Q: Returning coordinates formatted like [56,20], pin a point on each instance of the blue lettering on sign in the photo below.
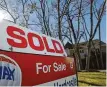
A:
[72,82]
[6,73]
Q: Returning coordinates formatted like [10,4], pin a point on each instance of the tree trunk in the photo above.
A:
[96,55]
[78,57]
[89,56]
[59,21]
[102,66]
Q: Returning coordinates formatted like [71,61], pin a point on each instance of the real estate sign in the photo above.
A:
[31,59]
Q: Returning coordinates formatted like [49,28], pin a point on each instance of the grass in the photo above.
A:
[92,78]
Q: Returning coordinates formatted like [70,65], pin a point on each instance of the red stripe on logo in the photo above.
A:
[6,60]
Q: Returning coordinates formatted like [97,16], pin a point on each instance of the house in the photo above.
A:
[83,49]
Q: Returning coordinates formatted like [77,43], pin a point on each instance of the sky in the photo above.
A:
[103,24]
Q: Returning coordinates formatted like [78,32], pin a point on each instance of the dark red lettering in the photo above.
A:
[46,45]
[55,44]
[31,42]
[10,32]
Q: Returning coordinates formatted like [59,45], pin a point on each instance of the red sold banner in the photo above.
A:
[31,59]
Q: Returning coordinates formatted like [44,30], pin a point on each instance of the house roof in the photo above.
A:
[70,46]
[94,41]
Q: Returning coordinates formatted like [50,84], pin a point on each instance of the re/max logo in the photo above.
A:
[6,73]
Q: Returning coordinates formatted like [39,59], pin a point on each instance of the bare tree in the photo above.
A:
[93,30]
[97,14]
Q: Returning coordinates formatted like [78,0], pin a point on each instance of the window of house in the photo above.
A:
[81,51]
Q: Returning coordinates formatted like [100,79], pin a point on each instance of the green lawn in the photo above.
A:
[92,78]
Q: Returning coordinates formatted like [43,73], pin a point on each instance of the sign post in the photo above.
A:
[31,59]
